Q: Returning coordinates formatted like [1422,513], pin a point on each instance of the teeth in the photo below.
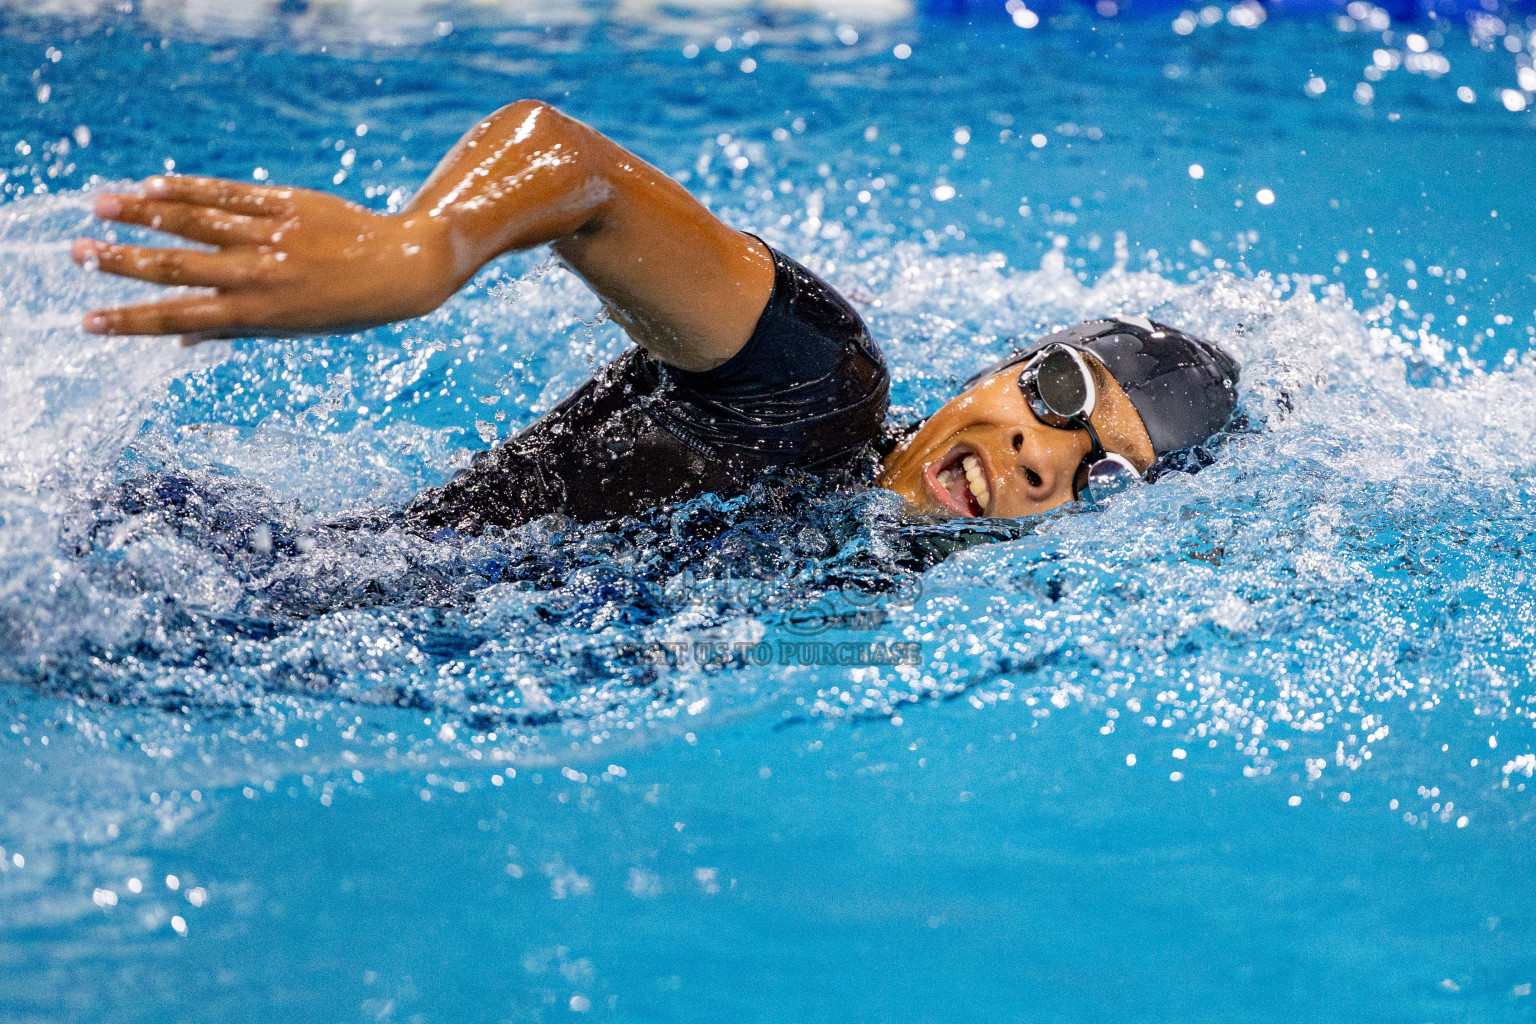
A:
[977,479]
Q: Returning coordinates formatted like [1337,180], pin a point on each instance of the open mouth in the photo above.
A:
[959,482]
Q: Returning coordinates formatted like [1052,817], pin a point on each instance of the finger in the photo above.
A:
[234,269]
[197,223]
[192,315]
[234,196]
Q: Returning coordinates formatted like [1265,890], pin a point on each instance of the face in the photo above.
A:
[985,454]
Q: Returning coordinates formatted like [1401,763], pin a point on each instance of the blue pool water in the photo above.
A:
[1254,744]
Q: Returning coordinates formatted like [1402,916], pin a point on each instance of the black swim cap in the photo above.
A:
[1184,389]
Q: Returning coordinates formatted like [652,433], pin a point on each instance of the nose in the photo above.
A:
[1046,459]
[1032,477]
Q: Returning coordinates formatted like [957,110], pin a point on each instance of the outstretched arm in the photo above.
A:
[292,261]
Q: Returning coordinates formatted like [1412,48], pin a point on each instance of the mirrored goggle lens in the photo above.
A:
[1107,478]
[1060,383]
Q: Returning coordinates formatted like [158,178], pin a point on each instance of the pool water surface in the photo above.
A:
[1254,743]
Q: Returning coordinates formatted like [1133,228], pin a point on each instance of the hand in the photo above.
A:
[287,261]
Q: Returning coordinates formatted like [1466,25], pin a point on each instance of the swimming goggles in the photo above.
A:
[1060,391]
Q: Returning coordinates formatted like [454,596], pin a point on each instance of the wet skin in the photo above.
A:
[292,261]
[685,286]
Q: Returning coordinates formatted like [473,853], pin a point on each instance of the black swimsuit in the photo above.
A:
[808,391]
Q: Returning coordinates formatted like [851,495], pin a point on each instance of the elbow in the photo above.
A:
[521,109]
[533,126]
[585,156]
[532,121]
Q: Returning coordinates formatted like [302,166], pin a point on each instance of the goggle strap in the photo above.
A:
[1098,452]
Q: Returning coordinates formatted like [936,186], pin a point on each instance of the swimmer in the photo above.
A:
[747,363]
